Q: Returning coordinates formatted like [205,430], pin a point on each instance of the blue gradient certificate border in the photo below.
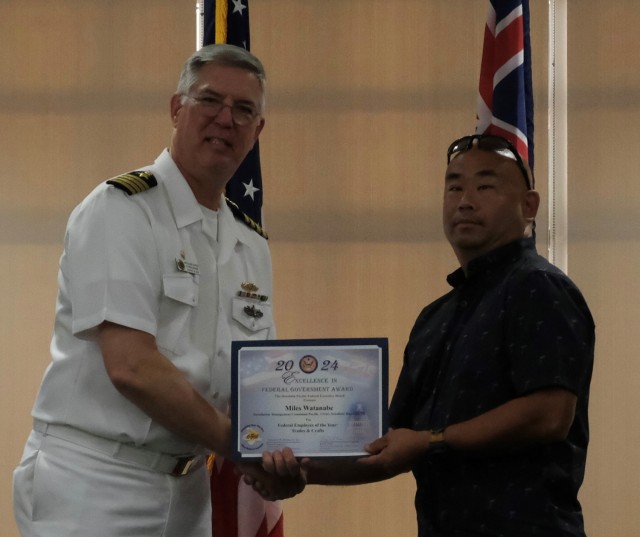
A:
[320,397]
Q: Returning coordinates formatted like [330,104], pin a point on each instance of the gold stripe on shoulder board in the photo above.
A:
[134,182]
[246,218]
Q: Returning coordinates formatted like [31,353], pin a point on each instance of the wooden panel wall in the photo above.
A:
[363,98]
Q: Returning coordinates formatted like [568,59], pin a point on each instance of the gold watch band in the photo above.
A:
[437,443]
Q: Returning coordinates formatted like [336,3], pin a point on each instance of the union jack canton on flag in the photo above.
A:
[505,101]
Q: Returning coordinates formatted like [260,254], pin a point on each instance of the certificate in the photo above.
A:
[321,397]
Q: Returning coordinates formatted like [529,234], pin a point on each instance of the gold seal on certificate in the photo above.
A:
[320,397]
[308,363]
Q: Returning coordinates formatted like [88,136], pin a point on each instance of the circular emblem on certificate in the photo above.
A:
[251,437]
[308,364]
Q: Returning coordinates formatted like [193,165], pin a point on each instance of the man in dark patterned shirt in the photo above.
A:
[490,410]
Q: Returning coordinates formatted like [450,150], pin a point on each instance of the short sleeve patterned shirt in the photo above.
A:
[514,324]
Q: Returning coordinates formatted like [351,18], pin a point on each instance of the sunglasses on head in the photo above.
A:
[495,144]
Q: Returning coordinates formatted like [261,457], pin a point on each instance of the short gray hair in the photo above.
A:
[229,55]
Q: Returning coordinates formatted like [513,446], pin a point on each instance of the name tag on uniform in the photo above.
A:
[185,266]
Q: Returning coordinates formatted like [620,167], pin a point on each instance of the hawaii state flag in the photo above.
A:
[505,101]
[227,21]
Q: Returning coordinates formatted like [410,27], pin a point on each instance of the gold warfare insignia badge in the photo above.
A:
[250,290]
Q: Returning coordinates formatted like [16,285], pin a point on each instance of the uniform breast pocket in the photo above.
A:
[176,306]
[253,319]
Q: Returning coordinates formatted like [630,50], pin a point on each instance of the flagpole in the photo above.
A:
[199,24]
[558,228]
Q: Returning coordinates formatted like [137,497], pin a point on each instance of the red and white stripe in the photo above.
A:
[239,511]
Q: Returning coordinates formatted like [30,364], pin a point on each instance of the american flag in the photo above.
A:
[238,511]
[227,21]
[505,100]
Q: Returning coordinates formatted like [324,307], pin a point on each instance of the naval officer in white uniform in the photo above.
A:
[159,274]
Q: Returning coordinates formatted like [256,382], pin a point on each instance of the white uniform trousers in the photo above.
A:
[62,489]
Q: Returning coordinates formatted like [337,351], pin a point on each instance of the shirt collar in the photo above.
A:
[499,257]
[183,203]
[185,207]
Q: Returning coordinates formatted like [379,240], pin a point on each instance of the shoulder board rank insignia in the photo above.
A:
[246,219]
[134,182]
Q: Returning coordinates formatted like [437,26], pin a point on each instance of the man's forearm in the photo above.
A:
[540,417]
[150,381]
[342,472]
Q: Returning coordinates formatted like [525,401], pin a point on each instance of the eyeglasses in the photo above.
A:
[495,144]
[212,105]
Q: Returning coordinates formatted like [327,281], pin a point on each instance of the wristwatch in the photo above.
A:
[436,441]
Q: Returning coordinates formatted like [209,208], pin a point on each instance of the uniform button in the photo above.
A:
[216,395]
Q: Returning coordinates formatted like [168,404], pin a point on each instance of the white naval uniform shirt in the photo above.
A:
[119,265]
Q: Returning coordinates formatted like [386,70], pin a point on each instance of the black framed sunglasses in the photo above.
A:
[495,144]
